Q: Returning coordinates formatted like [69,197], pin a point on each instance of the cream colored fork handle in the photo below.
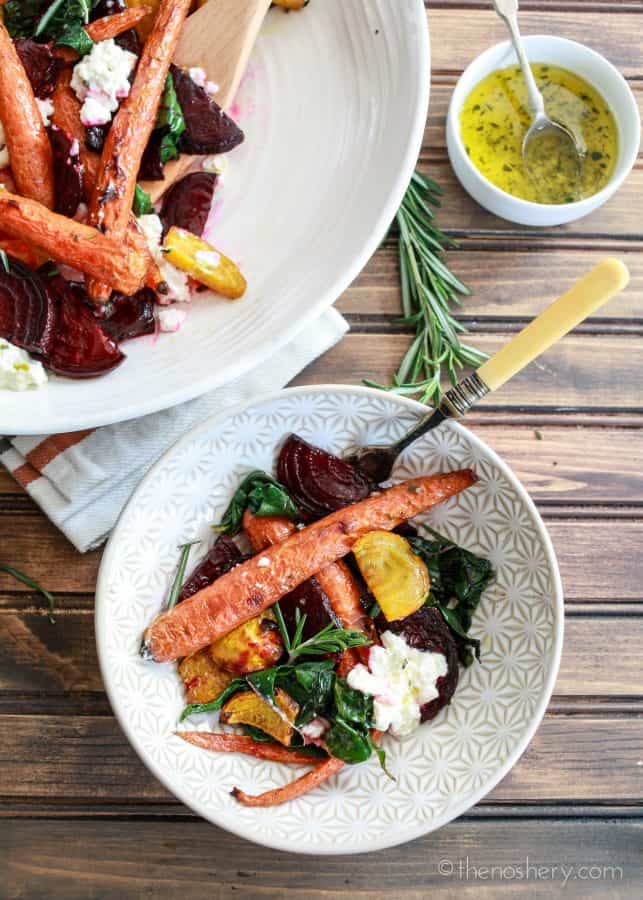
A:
[590,293]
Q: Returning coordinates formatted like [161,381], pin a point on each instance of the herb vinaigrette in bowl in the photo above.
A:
[495,118]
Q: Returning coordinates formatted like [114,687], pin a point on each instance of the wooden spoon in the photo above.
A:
[218,37]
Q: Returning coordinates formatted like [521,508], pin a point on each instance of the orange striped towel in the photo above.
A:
[83,479]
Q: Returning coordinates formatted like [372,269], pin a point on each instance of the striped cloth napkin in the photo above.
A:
[82,480]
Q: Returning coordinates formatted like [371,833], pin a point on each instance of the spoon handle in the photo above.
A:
[508,12]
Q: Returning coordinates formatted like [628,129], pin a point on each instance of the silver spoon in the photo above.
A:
[557,149]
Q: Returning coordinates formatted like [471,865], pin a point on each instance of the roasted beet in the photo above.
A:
[95,136]
[151,168]
[188,202]
[207,127]
[41,66]
[223,555]
[28,313]
[81,348]
[68,171]
[318,481]
[312,602]
[130,317]
[427,630]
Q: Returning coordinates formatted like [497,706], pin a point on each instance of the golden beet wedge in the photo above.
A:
[204,680]
[397,578]
[254,645]
[249,708]
[204,263]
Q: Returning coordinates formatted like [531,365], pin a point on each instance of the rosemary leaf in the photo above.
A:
[29,582]
[429,291]
[173,596]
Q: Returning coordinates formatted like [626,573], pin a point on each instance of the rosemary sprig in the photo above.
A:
[25,579]
[428,290]
[173,596]
[330,639]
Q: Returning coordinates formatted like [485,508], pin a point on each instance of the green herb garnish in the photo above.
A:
[177,584]
[4,259]
[331,639]
[263,496]
[64,23]
[142,205]
[428,290]
[29,582]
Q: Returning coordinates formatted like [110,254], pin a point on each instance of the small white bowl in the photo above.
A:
[584,62]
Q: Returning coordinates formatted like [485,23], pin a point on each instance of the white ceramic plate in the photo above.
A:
[334,107]
[447,765]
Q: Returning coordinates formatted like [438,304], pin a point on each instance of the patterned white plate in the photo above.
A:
[447,765]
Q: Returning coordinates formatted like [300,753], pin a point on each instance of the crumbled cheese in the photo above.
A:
[101,80]
[216,165]
[208,258]
[176,281]
[401,680]
[170,318]
[263,563]
[18,371]
[46,108]
[4,151]
[314,729]
[198,75]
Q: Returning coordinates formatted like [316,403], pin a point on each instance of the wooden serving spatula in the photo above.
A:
[218,37]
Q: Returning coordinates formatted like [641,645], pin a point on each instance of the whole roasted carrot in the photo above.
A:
[294,789]
[111,200]
[27,141]
[249,588]
[123,266]
[108,27]
[66,116]
[238,743]
[336,579]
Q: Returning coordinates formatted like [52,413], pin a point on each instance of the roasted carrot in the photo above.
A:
[123,267]
[238,743]
[249,588]
[23,251]
[66,116]
[294,789]
[336,580]
[30,152]
[106,28]
[113,193]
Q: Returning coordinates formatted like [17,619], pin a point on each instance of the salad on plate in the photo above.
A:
[321,618]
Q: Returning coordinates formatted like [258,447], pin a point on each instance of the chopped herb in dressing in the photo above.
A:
[495,118]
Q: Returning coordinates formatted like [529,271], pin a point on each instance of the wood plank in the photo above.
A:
[77,860]
[599,560]
[461,216]
[514,284]
[566,762]
[458,36]
[41,663]
[581,371]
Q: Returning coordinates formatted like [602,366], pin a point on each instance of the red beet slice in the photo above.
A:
[131,317]
[427,630]
[68,171]
[319,482]
[41,66]
[28,314]
[151,168]
[311,601]
[208,129]
[188,202]
[81,349]
[222,556]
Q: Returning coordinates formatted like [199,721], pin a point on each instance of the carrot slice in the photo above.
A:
[66,116]
[238,743]
[294,789]
[131,128]
[30,152]
[124,266]
[249,588]
[108,27]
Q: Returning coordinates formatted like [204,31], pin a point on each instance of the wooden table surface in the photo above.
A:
[83,818]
